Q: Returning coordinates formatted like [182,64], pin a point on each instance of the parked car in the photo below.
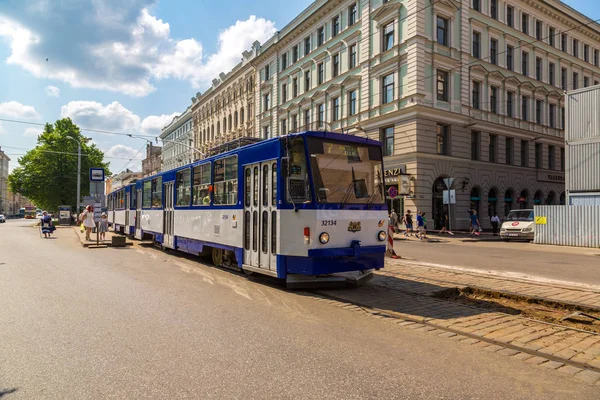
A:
[519,224]
[2,218]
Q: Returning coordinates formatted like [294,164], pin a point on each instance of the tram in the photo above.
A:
[303,207]
[121,209]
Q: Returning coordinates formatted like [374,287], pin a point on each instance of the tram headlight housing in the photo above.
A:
[381,236]
[324,238]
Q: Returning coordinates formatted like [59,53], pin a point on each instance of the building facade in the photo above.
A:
[464,89]
[4,195]
[152,163]
[16,201]
[178,141]
[226,110]
[122,179]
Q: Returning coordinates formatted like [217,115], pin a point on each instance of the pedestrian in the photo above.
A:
[475,225]
[88,221]
[495,223]
[103,226]
[420,225]
[46,224]
[424,234]
[408,223]
[394,218]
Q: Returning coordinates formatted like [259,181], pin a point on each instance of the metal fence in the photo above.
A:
[568,225]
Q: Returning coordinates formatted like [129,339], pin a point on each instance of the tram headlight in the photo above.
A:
[381,236]
[324,238]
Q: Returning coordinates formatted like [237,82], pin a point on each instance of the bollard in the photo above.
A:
[390,243]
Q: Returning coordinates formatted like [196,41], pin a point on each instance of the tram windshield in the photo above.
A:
[346,173]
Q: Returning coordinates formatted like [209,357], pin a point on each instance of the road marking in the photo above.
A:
[502,274]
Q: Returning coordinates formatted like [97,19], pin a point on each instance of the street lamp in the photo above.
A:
[78,169]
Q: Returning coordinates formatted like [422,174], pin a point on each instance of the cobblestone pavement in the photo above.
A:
[403,291]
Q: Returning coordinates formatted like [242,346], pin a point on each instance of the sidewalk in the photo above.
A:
[413,277]
[106,242]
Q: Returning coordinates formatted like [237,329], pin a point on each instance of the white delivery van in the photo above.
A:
[519,224]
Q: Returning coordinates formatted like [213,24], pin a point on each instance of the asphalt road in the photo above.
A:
[138,323]
[570,264]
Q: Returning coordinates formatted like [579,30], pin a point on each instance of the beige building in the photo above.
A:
[151,165]
[470,90]
[4,194]
[226,110]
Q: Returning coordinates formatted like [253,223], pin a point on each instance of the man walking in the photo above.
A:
[474,223]
[408,223]
[495,223]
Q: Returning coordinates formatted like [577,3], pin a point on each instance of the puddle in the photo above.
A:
[552,312]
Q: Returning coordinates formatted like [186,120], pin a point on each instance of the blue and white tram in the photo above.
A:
[121,209]
[295,207]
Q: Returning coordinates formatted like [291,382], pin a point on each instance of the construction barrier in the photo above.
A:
[390,243]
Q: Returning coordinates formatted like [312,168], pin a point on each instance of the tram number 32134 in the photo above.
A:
[329,223]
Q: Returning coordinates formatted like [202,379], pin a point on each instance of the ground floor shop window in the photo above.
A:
[508,201]
[492,202]
[524,199]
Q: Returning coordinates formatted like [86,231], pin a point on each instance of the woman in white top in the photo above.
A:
[88,221]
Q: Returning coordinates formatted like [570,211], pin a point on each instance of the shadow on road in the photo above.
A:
[4,392]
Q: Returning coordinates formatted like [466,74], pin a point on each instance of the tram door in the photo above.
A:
[138,215]
[260,216]
[127,206]
[169,220]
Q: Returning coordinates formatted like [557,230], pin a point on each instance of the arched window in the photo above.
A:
[538,198]
[242,115]
[492,202]
[439,209]
[508,201]
[235,119]
[562,199]
[224,124]
[551,199]
[230,122]
[218,128]
[524,199]
[475,199]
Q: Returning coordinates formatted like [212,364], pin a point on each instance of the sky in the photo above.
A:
[124,66]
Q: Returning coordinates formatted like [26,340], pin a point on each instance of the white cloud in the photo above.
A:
[13,109]
[52,91]
[126,152]
[116,45]
[153,124]
[113,117]
[93,115]
[33,132]
[1,128]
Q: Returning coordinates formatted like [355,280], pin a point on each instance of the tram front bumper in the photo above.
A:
[334,260]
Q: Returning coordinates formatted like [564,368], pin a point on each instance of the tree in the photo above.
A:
[47,174]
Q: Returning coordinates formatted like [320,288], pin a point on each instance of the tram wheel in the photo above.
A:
[217,257]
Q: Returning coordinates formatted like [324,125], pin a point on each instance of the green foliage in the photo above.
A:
[49,178]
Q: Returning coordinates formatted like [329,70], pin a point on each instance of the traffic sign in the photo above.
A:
[448,182]
[449,196]
[392,192]
[96,174]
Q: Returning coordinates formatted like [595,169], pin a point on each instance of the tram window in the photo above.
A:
[254,230]
[120,199]
[147,194]
[133,197]
[247,187]
[157,192]
[183,182]
[265,182]
[201,195]
[274,184]
[255,187]
[247,230]
[273,231]
[295,172]
[226,182]
[265,232]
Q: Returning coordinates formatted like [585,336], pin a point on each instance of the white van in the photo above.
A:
[520,225]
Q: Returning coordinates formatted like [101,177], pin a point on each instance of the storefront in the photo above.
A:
[396,177]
